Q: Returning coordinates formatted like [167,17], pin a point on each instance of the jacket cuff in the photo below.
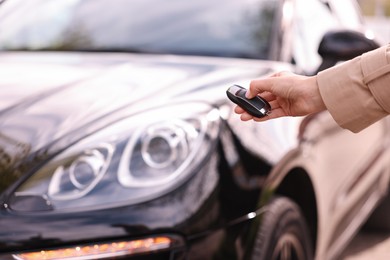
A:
[347,98]
[376,72]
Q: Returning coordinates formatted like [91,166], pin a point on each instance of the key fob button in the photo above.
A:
[257,106]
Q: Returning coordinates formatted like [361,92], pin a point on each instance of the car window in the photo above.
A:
[218,28]
[351,19]
[309,28]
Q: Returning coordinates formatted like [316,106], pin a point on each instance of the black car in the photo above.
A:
[117,139]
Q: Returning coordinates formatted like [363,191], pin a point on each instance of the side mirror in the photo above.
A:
[343,45]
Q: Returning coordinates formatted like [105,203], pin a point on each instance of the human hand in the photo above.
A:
[289,94]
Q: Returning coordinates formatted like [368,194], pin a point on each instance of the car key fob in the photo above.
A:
[257,106]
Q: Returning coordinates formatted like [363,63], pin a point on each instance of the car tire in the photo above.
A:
[283,233]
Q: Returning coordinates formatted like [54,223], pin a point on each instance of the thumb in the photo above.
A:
[268,84]
[249,94]
[258,86]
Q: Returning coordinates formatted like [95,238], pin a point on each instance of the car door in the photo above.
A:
[350,173]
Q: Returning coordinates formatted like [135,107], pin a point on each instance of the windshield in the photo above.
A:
[233,28]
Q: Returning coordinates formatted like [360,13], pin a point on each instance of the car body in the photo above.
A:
[119,150]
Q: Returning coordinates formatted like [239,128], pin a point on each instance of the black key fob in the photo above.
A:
[257,106]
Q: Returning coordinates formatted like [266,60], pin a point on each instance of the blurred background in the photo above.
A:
[377,16]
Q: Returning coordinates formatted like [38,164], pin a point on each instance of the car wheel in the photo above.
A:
[283,233]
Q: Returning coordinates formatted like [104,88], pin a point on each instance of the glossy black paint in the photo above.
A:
[52,100]
[209,204]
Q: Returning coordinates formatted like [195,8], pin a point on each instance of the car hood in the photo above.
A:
[50,100]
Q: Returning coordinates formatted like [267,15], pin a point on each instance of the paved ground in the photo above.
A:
[369,246]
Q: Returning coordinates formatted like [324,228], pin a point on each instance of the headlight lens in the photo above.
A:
[81,175]
[134,160]
[161,153]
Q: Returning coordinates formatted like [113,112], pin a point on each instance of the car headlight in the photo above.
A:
[136,159]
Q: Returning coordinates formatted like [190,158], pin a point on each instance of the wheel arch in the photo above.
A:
[297,185]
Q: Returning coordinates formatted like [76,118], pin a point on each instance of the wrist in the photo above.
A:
[318,103]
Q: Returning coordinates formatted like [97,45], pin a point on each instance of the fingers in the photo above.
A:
[276,112]
[282,73]
[258,86]
[274,104]
[271,100]
[239,110]
[276,89]
[246,117]
[268,96]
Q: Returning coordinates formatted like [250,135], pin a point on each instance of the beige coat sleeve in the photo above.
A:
[357,92]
